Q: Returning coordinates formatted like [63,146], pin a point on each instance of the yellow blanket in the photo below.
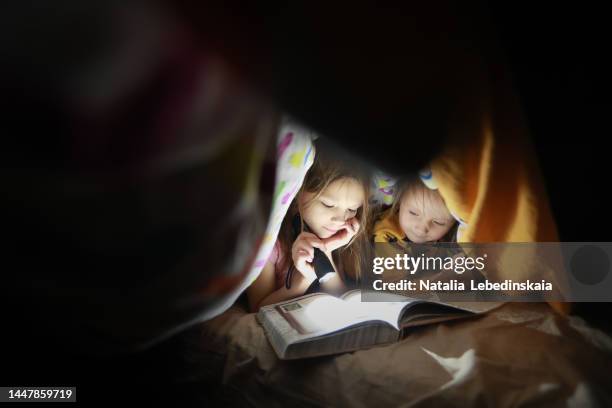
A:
[489,176]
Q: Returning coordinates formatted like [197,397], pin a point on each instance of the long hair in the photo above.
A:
[331,165]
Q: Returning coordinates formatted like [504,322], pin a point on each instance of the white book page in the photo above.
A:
[386,311]
[320,314]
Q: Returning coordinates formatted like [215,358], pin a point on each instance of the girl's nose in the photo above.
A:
[421,229]
[340,216]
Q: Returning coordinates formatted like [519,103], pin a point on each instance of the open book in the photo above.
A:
[320,324]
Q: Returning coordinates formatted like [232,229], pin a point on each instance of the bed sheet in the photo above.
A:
[518,355]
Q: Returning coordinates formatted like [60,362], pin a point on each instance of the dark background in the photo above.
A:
[558,58]
[558,55]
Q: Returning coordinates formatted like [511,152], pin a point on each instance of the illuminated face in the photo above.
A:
[329,212]
[423,216]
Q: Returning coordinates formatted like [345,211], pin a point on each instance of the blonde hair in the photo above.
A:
[430,197]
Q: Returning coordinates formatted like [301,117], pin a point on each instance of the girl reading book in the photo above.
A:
[322,242]
[418,215]
[417,218]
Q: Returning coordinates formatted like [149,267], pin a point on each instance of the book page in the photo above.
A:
[387,311]
[320,313]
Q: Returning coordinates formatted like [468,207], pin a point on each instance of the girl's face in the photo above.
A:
[423,216]
[328,213]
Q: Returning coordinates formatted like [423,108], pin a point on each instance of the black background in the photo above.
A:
[558,57]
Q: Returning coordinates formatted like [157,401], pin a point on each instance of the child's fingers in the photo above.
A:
[350,229]
[352,226]
[317,243]
[304,267]
[308,271]
[303,253]
[312,240]
[356,224]
[303,249]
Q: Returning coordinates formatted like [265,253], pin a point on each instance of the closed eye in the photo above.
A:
[439,223]
[351,210]
[413,213]
[327,205]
